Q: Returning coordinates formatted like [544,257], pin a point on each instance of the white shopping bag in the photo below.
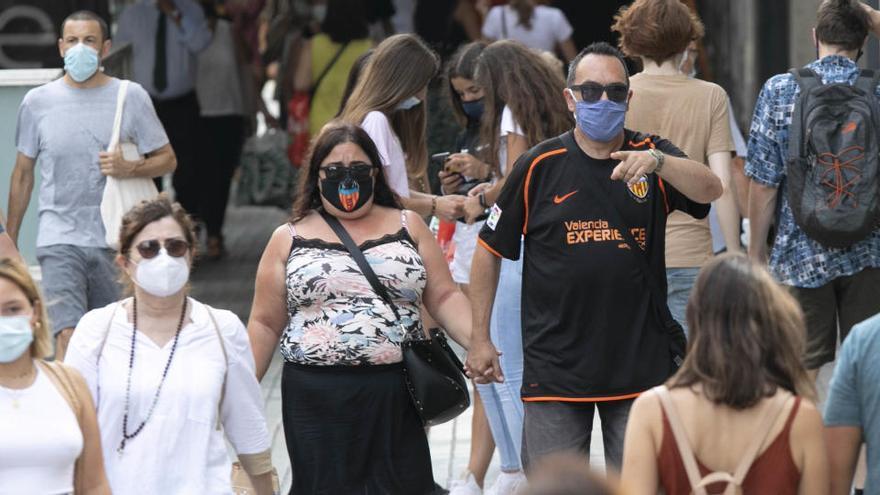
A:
[121,194]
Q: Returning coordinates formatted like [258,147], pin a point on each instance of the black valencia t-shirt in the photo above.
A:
[589,330]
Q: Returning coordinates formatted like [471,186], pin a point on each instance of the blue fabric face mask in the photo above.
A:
[408,103]
[473,109]
[16,336]
[602,120]
[81,62]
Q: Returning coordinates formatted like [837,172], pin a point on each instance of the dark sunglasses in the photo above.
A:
[358,171]
[175,248]
[591,92]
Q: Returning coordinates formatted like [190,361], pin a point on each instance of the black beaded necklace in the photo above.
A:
[125,435]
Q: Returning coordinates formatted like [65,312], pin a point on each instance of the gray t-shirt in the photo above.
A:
[854,396]
[65,128]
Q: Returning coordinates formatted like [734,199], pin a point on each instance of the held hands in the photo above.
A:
[114,165]
[482,363]
[472,209]
[633,165]
[450,207]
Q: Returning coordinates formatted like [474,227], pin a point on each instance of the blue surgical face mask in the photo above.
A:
[601,120]
[408,103]
[81,62]
[473,109]
[16,336]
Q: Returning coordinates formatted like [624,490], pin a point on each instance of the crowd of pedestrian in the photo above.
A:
[583,275]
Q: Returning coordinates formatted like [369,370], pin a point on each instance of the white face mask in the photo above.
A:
[684,57]
[163,275]
[408,103]
[16,336]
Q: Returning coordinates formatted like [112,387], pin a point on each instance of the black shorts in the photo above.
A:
[839,304]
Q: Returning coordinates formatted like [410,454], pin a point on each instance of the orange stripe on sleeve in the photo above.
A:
[647,141]
[529,180]
[665,199]
[487,247]
[582,399]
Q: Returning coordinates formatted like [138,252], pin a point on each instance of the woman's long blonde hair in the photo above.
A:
[400,67]
[17,273]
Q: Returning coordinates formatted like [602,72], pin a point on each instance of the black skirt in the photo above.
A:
[353,430]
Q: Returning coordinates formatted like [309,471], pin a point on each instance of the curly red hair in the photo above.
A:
[656,29]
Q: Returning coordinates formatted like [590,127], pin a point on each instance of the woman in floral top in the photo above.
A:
[348,420]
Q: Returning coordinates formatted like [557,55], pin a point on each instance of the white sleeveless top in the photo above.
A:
[40,440]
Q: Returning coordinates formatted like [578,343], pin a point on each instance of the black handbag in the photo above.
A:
[433,374]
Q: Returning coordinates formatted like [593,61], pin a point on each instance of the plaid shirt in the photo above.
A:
[796,259]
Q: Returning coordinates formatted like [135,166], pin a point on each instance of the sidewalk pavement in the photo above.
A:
[229,284]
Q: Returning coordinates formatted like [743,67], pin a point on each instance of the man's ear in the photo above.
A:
[60,50]
[816,40]
[569,99]
[105,48]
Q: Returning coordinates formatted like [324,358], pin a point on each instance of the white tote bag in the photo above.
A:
[121,194]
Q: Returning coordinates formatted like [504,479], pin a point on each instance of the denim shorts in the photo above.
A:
[76,280]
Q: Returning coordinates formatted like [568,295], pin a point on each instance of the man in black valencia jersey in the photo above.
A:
[586,204]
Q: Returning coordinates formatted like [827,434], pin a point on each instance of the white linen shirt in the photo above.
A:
[180,450]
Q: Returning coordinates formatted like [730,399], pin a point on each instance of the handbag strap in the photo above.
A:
[361,261]
[101,352]
[327,69]
[658,294]
[225,361]
[117,118]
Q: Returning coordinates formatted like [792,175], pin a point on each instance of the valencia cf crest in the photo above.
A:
[639,190]
[349,192]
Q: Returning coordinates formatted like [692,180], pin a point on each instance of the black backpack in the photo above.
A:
[832,166]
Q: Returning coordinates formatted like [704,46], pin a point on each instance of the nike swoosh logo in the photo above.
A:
[559,199]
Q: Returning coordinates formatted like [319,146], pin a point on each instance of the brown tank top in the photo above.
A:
[773,471]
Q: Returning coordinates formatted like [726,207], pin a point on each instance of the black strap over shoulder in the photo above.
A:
[326,70]
[868,81]
[806,78]
[615,218]
[361,260]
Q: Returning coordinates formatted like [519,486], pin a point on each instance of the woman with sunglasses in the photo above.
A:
[349,422]
[170,376]
[49,439]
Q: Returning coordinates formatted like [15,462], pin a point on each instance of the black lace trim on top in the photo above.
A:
[401,235]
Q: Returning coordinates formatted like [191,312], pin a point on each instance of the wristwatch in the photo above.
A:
[658,157]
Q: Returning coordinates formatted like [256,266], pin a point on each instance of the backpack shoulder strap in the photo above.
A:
[225,360]
[777,406]
[806,78]
[868,81]
[681,440]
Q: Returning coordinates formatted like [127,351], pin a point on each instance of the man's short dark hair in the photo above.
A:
[87,15]
[842,23]
[597,48]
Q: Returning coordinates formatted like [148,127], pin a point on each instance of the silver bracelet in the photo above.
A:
[658,157]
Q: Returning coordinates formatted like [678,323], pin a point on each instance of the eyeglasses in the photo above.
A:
[175,248]
[591,92]
[358,171]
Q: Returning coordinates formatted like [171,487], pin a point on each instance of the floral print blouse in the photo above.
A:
[335,317]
